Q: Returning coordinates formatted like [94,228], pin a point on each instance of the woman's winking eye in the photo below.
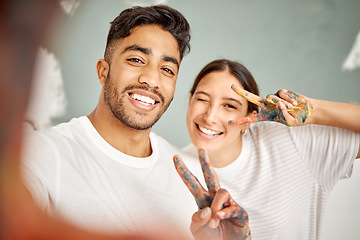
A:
[200,99]
[230,106]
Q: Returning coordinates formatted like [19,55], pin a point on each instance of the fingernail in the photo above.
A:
[212,223]
[204,213]
[281,105]
[220,215]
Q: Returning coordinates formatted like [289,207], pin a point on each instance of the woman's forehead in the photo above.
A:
[218,82]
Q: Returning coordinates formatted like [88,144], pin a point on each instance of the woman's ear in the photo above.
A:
[247,125]
[253,112]
[102,69]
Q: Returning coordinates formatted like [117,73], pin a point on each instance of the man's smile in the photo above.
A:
[142,99]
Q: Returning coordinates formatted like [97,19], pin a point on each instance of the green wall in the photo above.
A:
[298,45]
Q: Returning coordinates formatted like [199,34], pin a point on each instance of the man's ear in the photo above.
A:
[102,69]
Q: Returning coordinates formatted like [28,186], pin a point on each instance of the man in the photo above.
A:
[107,171]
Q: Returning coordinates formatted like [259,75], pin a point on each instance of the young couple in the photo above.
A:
[107,171]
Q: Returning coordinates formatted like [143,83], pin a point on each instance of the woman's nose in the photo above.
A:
[211,115]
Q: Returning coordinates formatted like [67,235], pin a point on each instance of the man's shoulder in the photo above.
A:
[165,148]
[162,142]
[67,128]
[56,137]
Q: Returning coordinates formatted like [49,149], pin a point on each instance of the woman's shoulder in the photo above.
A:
[267,127]
[190,149]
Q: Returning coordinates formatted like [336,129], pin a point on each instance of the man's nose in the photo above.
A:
[150,76]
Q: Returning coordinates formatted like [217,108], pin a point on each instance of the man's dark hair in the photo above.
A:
[168,18]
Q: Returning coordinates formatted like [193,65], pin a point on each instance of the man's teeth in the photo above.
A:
[143,99]
[208,131]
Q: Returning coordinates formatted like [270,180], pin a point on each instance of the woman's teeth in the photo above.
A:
[143,99]
[208,131]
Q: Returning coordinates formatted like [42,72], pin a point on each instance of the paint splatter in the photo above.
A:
[233,218]
[271,108]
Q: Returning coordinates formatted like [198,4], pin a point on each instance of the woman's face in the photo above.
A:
[211,106]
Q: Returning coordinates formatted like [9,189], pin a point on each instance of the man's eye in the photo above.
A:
[169,71]
[136,60]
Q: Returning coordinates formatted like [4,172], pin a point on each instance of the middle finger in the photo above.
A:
[210,175]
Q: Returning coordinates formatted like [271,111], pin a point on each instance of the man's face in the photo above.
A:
[142,77]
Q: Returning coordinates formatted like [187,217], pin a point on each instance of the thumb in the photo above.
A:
[200,218]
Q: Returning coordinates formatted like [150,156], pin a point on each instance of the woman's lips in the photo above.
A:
[207,131]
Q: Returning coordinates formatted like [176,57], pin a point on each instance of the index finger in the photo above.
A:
[248,96]
[211,178]
[188,178]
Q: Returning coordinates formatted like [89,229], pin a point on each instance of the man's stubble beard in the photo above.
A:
[114,100]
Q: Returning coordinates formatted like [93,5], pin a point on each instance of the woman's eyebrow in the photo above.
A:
[232,99]
[202,92]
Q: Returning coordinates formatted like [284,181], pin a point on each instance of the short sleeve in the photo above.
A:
[33,167]
[328,152]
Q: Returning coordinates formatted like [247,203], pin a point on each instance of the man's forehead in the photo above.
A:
[139,44]
[139,35]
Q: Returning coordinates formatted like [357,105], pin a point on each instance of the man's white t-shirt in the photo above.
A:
[284,175]
[73,170]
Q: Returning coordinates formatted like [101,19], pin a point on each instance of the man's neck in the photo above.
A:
[127,140]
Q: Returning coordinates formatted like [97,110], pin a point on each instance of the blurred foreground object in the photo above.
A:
[23,25]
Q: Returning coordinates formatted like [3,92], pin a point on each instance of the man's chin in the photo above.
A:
[140,123]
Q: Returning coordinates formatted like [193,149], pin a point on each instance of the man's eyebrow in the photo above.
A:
[147,51]
[171,59]
[137,48]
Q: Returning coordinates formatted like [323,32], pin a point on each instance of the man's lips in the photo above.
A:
[144,96]
[143,99]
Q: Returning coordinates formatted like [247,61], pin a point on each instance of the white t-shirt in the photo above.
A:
[72,169]
[284,175]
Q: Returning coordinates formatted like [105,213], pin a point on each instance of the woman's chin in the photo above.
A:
[205,145]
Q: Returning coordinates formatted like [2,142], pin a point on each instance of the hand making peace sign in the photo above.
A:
[219,217]
[285,107]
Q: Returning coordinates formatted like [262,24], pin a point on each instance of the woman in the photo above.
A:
[281,175]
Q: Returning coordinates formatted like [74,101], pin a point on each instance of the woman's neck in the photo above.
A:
[226,156]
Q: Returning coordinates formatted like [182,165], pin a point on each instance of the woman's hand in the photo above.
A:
[219,217]
[285,107]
